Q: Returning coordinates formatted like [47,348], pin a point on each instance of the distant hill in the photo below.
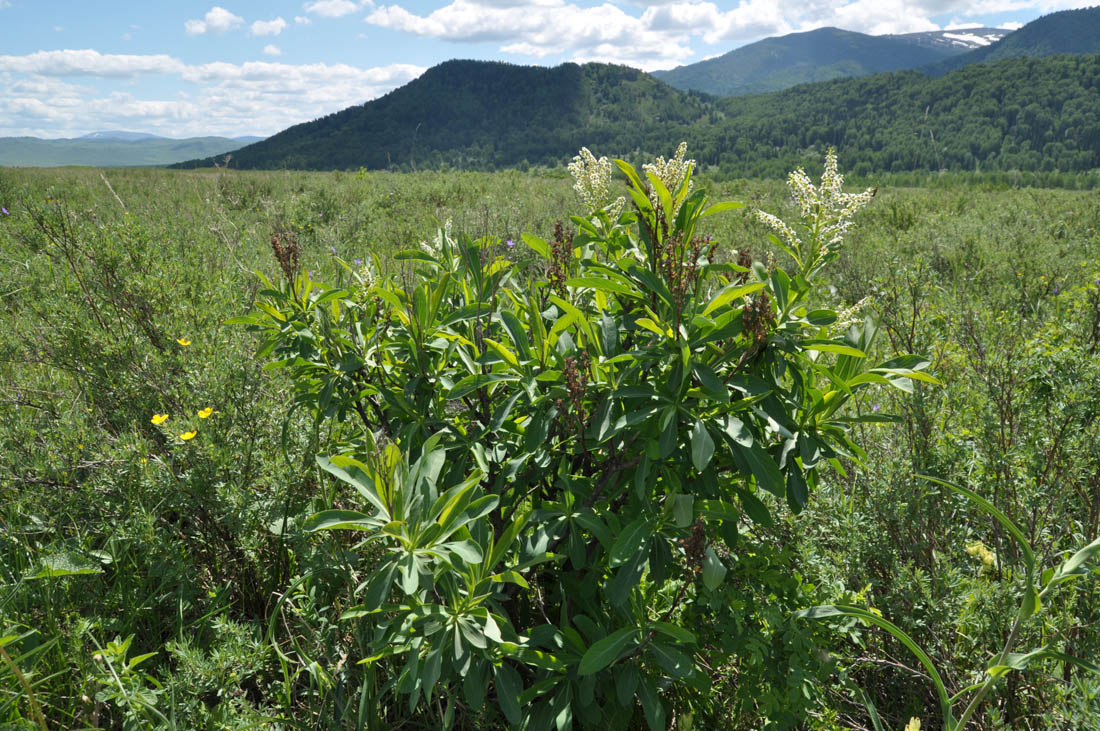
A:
[1068,31]
[487,114]
[779,63]
[111,149]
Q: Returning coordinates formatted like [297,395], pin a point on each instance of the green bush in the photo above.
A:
[565,458]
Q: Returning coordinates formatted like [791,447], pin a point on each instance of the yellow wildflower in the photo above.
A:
[913,725]
[183,341]
[206,412]
[159,418]
[188,435]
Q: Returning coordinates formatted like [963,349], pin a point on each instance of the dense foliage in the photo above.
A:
[119,537]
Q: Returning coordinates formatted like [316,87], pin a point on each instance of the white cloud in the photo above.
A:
[68,93]
[300,20]
[1011,26]
[331,8]
[268,27]
[217,20]
[272,50]
[88,62]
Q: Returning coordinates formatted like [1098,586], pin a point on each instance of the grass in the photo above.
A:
[114,527]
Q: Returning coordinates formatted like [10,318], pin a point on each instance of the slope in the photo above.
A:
[818,55]
[485,114]
[1068,31]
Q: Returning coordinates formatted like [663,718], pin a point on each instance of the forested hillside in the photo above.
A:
[1068,31]
[1030,114]
[1015,114]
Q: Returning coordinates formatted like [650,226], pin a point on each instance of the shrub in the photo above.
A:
[566,456]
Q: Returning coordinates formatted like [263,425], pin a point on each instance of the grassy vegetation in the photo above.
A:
[119,537]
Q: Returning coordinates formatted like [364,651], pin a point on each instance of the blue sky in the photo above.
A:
[244,67]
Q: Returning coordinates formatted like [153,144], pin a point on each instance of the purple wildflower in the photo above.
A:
[875,407]
[4,211]
[509,243]
[357,262]
[333,250]
[1055,290]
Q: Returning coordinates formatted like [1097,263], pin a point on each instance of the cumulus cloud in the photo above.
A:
[216,20]
[302,20]
[272,50]
[331,8]
[656,34]
[268,27]
[58,93]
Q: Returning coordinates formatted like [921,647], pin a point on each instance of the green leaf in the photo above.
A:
[509,687]
[676,632]
[537,245]
[763,468]
[605,651]
[66,563]
[722,207]
[683,510]
[1075,565]
[714,572]
[754,508]
[797,491]
[729,293]
[630,541]
[339,520]
[702,446]
[651,704]
[836,348]
[676,663]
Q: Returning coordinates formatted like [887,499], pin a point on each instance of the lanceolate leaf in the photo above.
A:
[606,651]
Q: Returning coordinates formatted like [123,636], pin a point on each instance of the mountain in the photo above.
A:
[960,40]
[106,149]
[1068,31]
[817,55]
[487,114]
[1037,114]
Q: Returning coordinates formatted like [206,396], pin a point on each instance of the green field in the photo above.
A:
[116,293]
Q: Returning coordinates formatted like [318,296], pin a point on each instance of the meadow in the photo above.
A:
[161,560]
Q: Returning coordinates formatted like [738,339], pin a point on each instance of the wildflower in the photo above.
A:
[671,173]
[183,341]
[978,550]
[510,244]
[205,413]
[159,418]
[913,725]
[4,211]
[875,407]
[333,250]
[826,212]
[357,262]
[189,435]
[592,180]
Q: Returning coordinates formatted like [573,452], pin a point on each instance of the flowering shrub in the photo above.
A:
[554,465]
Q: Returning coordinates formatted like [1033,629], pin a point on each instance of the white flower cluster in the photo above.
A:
[592,181]
[828,203]
[847,317]
[442,244]
[826,212]
[671,172]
